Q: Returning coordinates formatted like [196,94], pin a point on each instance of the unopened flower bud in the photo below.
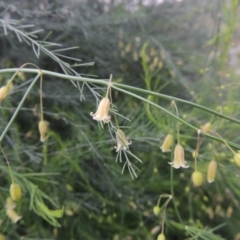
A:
[236,158]
[207,127]
[167,143]
[13,215]
[15,192]
[197,178]
[42,127]
[3,92]
[161,236]
[102,111]
[156,210]
[195,154]
[212,170]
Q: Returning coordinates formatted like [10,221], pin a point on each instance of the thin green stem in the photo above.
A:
[172,193]
[164,211]
[196,152]
[178,131]
[19,107]
[109,86]
[114,85]
[8,163]
[171,98]
[41,97]
[171,179]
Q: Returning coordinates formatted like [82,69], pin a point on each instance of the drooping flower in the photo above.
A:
[122,141]
[197,178]
[3,92]
[178,160]
[167,143]
[102,111]
[10,203]
[13,215]
[15,192]
[212,170]
[236,158]
[42,127]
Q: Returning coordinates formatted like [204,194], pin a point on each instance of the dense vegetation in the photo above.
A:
[174,68]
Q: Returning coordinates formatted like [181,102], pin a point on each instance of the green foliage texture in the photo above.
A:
[73,184]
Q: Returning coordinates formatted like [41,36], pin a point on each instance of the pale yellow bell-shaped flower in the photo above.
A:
[102,111]
[13,215]
[197,178]
[122,142]
[167,143]
[178,160]
[212,170]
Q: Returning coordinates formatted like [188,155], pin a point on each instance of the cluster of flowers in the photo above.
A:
[42,125]
[157,210]
[15,189]
[179,160]
[16,194]
[102,115]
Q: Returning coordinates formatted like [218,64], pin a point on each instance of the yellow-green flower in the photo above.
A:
[43,126]
[197,178]
[236,158]
[156,210]
[15,192]
[195,154]
[167,143]
[212,170]
[161,236]
[207,127]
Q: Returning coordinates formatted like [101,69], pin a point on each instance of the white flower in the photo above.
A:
[179,160]
[102,111]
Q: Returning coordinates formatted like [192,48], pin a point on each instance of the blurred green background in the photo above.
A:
[186,49]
